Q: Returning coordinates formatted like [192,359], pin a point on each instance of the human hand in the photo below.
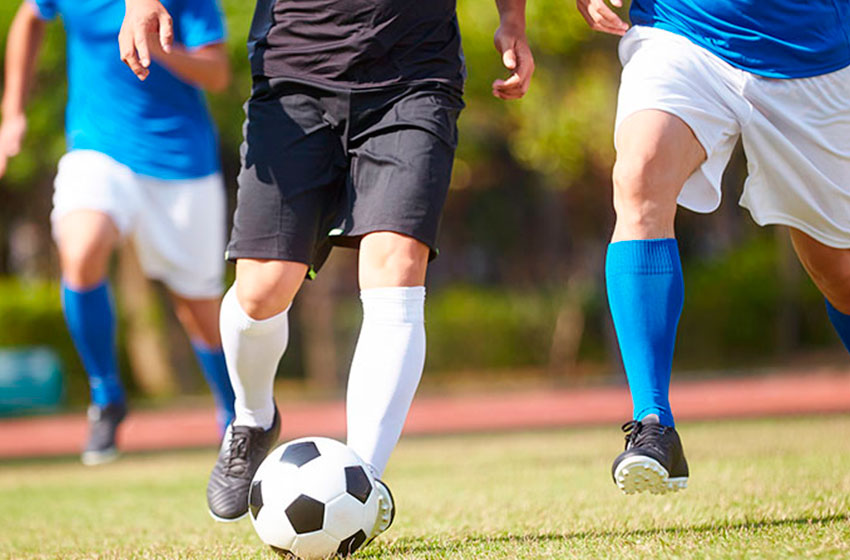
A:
[602,18]
[512,44]
[12,130]
[146,23]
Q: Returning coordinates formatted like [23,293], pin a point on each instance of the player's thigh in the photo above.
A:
[94,203]
[85,240]
[656,153]
[828,267]
[266,287]
[179,237]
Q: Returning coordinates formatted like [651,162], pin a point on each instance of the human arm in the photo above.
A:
[207,67]
[602,18]
[22,45]
[512,44]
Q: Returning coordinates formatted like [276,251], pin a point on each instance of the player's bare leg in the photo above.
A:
[254,332]
[86,239]
[656,153]
[829,269]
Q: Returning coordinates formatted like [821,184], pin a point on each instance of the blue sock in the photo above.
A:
[645,294]
[841,322]
[91,322]
[215,370]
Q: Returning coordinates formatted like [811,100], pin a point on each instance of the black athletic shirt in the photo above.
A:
[357,43]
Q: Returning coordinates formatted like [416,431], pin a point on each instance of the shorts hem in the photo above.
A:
[786,220]
[182,290]
[701,138]
[57,214]
[233,255]
[351,239]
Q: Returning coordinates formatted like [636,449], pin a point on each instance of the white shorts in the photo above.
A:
[795,132]
[177,226]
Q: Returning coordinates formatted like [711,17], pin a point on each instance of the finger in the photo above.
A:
[505,85]
[141,44]
[131,58]
[3,160]
[604,28]
[617,3]
[603,15]
[525,62]
[509,59]
[166,32]
[506,95]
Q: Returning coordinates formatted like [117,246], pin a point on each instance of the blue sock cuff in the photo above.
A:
[93,290]
[835,314]
[841,322]
[643,256]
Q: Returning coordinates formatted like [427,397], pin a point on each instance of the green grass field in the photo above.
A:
[759,489]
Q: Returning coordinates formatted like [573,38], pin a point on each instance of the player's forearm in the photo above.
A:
[207,67]
[22,46]
[512,13]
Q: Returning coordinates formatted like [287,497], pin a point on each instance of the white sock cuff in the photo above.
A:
[232,312]
[396,304]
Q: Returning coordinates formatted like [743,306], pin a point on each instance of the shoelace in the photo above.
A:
[643,435]
[237,456]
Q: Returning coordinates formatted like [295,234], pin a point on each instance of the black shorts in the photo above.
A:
[323,167]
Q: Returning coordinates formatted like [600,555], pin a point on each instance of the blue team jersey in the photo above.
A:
[160,127]
[772,38]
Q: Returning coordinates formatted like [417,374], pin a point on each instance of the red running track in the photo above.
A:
[820,391]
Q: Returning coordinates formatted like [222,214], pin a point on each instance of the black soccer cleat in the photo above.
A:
[103,425]
[653,460]
[242,451]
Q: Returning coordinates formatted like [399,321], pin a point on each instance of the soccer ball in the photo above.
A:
[313,498]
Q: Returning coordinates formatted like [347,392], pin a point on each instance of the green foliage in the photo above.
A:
[759,489]
[734,305]
[31,315]
[471,327]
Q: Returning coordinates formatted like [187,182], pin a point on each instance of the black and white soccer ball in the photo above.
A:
[313,498]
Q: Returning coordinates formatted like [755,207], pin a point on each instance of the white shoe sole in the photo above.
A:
[644,474]
[386,511]
[225,520]
[94,458]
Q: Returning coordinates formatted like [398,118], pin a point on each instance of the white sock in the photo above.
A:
[252,350]
[385,371]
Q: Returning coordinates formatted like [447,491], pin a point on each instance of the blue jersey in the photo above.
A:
[160,127]
[772,38]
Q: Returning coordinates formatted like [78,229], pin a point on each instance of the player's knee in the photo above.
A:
[261,298]
[400,263]
[642,196]
[84,264]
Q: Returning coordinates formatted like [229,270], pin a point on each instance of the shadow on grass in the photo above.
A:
[409,546]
